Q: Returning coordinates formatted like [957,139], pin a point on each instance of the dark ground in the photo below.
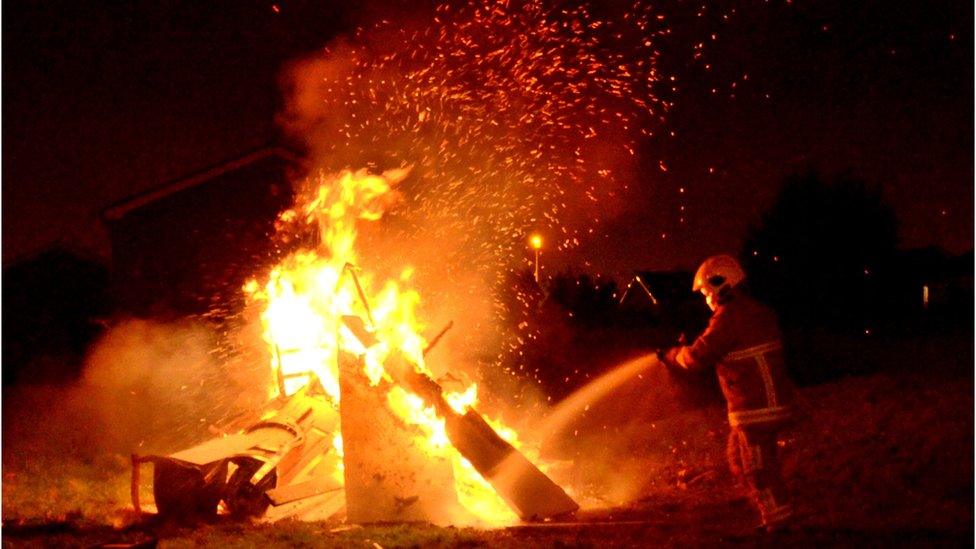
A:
[884,459]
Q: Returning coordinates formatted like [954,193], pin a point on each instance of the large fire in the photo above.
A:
[512,115]
[306,296]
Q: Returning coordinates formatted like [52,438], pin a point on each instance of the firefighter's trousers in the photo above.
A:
[753,454]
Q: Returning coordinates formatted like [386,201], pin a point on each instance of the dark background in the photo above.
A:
[106,99]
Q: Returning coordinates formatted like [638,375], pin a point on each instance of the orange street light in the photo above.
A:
[536,242]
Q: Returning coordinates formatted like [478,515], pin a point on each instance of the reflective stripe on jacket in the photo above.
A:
[743,343]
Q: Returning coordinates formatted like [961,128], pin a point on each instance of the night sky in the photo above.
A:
[102,100]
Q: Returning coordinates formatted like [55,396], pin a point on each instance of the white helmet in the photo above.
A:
[716,277]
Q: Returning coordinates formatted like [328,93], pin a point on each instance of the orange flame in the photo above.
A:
[306,296]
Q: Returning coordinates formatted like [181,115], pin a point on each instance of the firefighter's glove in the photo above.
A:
[670,359]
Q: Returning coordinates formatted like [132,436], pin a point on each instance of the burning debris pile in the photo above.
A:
[517,116]
[356,422]
[505,111]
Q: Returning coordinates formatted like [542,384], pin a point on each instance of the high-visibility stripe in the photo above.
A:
[758,352]
[757,458]
[755,351]
[767,378]
[766,499]
[772,511]
[762,411]
[778,514]
[757,420]
[761,415]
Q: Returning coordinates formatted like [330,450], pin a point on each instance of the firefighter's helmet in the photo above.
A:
[716,277]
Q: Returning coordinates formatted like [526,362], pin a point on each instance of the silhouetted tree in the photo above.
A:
[820,251]
[585,299]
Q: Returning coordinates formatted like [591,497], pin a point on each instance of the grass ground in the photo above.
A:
[878,460]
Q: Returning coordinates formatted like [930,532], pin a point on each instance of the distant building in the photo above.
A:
[186,245]
[52,302]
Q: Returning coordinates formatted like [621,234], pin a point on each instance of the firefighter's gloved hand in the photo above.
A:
[670,358]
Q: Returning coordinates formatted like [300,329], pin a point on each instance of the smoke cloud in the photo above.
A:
[515,118]
[147,387]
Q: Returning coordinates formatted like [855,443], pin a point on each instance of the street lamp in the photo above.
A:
[536,242]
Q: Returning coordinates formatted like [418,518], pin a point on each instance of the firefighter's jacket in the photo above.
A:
[744,344]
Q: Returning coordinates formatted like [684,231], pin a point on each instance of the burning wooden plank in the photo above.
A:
[526,489]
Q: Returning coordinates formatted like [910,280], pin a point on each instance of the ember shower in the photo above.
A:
[481,125]
[514,116]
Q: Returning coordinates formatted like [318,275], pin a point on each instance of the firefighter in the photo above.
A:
[743,343]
